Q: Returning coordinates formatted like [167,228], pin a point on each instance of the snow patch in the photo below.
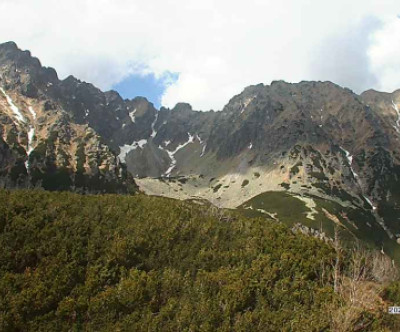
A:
[349,158]
[132,115]
[125,149]
[153,131]
[355,175]
[171,154]
[245,103]
[369,202]
[199,139]
[141,143]
[350,161]
[203,150]
[14,108]
[397,125]
[31,136]
[33,113]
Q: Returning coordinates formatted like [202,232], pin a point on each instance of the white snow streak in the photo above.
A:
[31,136]
[132,115]
[350,161]
[125,149]
[33,113]
[246,103]
[171,154]
[397,125]
[153,131]
[14,108]
[203,150]
[199,139]
[369,202]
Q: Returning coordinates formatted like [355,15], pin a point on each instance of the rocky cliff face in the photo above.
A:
[312,139]
[44,144]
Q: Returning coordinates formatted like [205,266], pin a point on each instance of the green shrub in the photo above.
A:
[217,187]
[137,263]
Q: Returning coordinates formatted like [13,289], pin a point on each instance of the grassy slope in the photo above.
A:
[291,210]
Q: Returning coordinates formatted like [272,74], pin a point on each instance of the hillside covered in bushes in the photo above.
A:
[117,263]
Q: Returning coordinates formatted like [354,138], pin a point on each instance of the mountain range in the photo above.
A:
[310,153]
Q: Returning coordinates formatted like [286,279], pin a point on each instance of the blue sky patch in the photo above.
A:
[146,86]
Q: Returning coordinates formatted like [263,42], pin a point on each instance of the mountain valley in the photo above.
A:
[327,148]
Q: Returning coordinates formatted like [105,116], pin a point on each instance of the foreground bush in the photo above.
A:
[118,263]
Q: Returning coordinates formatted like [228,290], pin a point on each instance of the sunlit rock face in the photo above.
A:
[43,143]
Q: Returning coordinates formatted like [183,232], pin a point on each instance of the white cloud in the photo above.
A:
[385,55]
[217,47]
[343,58]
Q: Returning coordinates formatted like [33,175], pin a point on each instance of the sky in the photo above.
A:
[205,52]
[147,85]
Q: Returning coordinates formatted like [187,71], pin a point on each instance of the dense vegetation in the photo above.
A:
[117,263]
[357,223]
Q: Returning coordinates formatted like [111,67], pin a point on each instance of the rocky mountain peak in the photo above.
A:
[45,136]
[20,70]
[182,107]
